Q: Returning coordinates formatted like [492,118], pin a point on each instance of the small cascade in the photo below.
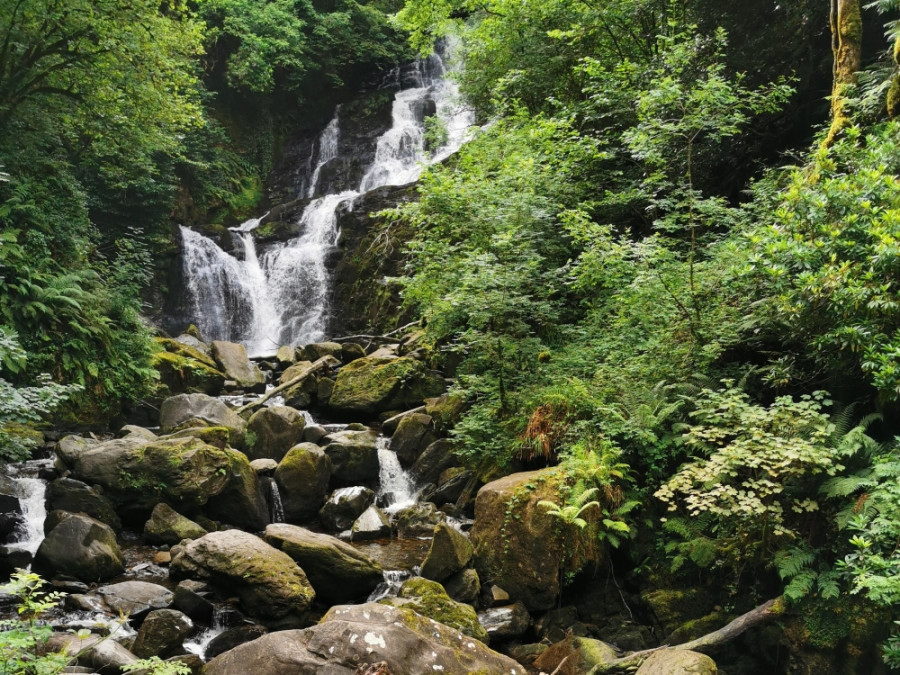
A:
[276,509]
[390,587]
[31,493]
[328,150]
[282,296]
[395,486]
[222,619]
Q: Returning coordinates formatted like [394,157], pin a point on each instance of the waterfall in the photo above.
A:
[31,492]
[395,487]
[276,508]
[282,296]
[390,587]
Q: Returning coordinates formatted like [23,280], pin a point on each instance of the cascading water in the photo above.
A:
[30,491]
[395,487]
[282,296]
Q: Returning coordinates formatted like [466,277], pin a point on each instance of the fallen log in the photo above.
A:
[764,612]
[314,368]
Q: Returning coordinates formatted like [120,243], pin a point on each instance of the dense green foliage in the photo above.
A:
[610,289]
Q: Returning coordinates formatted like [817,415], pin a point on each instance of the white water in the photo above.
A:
[394,483]
[282,297]
[390,587]
[31,493]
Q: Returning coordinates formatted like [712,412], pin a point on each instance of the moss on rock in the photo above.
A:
[429,599]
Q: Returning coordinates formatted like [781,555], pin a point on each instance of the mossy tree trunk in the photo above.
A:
[846,45]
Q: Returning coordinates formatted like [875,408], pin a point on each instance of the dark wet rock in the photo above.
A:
[191,598]
[344,506]
[350,351]
[505,623]
[315,351]
[302,477]
[575,656]
[231,638]
[82,547]
[337,571]
[464,586]
[413,434]
[433,461]
[354,456]
[450,552]
[162,634]
[264,467]
[241,502]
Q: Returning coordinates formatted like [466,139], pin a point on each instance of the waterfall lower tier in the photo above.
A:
[281,295]
[395,488]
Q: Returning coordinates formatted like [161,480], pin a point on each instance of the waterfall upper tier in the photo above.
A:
[281,294]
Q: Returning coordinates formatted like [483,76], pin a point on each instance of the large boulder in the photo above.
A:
[337,571]
[429,599]
[199,410]
[302,477]
[373,385]
[505,623]
[241,501]
[434,460]
[131,598]
[82,547]
[140,474]
[517,543]
[271,432]
[406,641]
[68,494]
[418,520]
[414,433]
[167,526]
[676,661]
[450,552]
[162,634]
[371,524]
[267,581]
[575,656]
[305,376]
[234,362]
[344,506]
[354,456]
[315,351]
[185,369]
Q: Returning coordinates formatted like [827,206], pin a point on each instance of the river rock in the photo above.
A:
[517,543]
[505,623]
[675,661]
[267,581]
[234,362]
[68,494]
[286,355]
[70,448]
[354,456]
[264,467]
[344,506]
[231,638]
[167,526]
[429,599]
[195,342]
[315,351]
[373,385]
[185,369]
[108,656]
[141,474]
[305,374]
[132,598]
[162,633]
[389,426]
[302,477]
[190,598]
[445,410]
[82,547]
[350,351]
[450,552]
[575,656]
[406,641]
[242,501]
[191,410]
[371,524]
[337,571]
[137,432]
[271,432]
[449,490]
[418,520]
[414,433]
[464,586]
[434,460]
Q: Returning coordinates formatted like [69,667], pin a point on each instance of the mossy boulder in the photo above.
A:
[418,520]
[414,433]
[80,546]
[233,361]
[68,494]
[167,526]
[272,431]
[241,501]
[162,634]
[575,656]
[337,571]
[445,410]
[302,477]
[354,456]
[464,586]
[184,369]
[673,608]
[677,662]
[450,552]
[315,351]
[429,599]
[374,385]
[140,474]
[517,543]
[269,584]
[199,410]
[405,640]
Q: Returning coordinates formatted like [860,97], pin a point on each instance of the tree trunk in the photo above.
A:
[846,46]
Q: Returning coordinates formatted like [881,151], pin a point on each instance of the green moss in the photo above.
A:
[429,599]
[893,97]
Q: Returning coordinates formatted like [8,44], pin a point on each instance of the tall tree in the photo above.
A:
[846,45]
